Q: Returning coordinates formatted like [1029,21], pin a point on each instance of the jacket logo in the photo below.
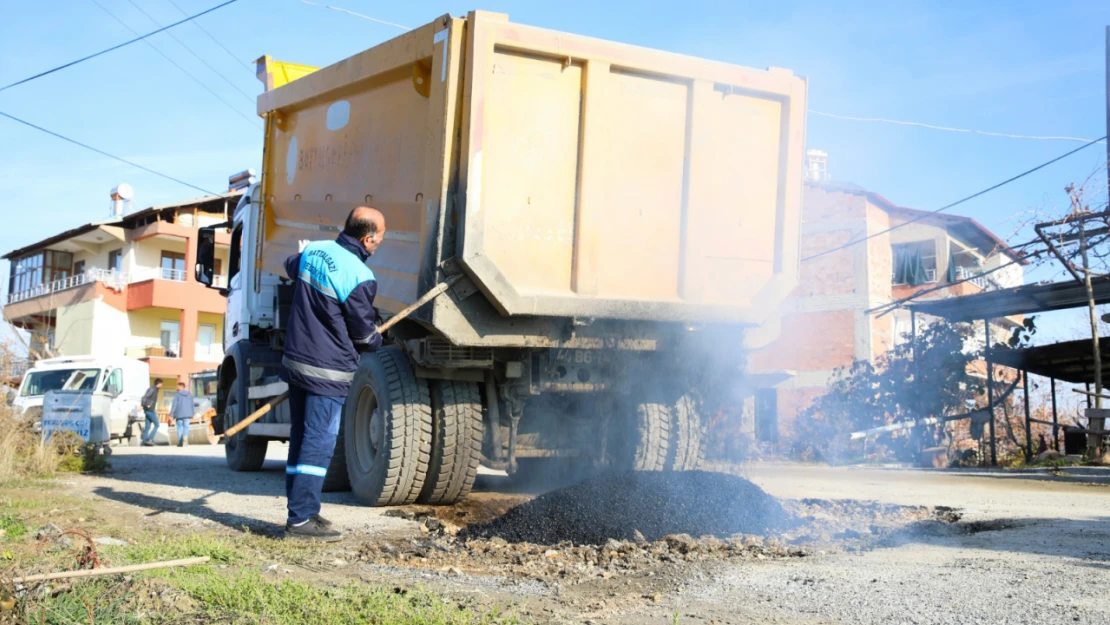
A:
[324,256]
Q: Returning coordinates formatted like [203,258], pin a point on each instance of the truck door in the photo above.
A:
[123,402]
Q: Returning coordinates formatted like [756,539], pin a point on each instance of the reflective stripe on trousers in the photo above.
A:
[314,427]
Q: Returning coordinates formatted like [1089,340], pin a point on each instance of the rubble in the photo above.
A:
[639,506]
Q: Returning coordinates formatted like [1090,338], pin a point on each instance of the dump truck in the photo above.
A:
[614,222]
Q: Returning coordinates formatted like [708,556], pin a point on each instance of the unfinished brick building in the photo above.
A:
[826,323]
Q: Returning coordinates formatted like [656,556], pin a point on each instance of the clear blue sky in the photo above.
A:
[1021,67]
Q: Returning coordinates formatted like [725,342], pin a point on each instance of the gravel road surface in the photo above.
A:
[1033,547]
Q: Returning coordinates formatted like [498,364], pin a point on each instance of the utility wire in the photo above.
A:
[198,57]
[349,12]
[953,204]
[115,47]
[216,41]
[229,105]
[951,129]
[103,153]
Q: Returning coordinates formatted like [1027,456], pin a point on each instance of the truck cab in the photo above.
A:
[124,380]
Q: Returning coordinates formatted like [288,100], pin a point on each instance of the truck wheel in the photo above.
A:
[688,433]
[387,430]
[244,453]
[456,442]
[336,479]
[640,441]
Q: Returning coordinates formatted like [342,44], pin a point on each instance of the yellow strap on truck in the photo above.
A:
[274,74]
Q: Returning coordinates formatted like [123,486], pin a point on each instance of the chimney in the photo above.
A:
[121,199]
[817,166]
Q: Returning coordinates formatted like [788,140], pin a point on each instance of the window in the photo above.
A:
[113,384]
[767,415]
[115,261]
[914,263]
[171,338]
[234,253]
[78,267]
[206,339]
[39,269]
[173,266]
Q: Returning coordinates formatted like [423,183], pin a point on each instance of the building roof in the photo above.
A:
[1070,361]
[1020,300]
[122,220]
[972,230]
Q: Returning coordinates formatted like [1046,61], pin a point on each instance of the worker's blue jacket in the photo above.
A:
[332,317]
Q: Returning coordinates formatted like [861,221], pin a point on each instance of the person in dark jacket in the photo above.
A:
[181,411]
[331,320]
[149,404]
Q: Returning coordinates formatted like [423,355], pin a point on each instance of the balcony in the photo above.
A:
[973,275]
[209,353]
[111,278]
[154,351]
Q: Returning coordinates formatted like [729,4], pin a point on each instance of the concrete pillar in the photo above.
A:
[188,339]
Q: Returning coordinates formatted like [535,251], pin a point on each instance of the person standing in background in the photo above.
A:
[182,411]
[149,402]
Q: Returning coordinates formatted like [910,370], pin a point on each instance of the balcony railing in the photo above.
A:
[112,278]
[209,353]
[154,351]
[973,275]
[177,275]
[219,281]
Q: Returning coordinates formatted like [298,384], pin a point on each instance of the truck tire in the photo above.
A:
[244,453]
[640,440]
[456,442]
[688,433]
[387,430]
[336,479]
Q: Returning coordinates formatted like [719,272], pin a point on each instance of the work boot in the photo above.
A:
[148,444]
[321,520]
[313,529]
[180,443]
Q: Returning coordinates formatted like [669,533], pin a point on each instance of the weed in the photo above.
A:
[11,528]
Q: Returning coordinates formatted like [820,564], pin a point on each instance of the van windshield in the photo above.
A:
[39,382]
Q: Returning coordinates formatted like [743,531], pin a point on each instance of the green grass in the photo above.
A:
[231,588]
[11,527]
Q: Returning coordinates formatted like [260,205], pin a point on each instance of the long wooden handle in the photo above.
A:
[111,571]
[435,292]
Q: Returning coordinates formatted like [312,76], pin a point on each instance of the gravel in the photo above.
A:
[638,506]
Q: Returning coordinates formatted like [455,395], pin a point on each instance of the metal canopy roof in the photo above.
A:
[1022,300]
[1071,361]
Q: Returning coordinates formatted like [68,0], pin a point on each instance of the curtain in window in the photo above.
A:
[950,275]
[908,267]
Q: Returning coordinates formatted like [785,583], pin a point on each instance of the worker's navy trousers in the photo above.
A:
[315,424]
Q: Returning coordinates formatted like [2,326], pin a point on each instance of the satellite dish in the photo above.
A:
[123,191]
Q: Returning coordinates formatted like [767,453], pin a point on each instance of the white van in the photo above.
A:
[123,379]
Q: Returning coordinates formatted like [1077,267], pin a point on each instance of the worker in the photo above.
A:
[330,322]
[149,402]
[181,411]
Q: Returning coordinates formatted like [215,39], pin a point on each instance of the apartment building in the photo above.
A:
[827,322]
[123,286]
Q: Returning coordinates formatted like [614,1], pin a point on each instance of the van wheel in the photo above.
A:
[387,430]
[456,442]
[244,453]
[688,433]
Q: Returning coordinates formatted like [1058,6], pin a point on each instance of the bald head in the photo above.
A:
[367,225]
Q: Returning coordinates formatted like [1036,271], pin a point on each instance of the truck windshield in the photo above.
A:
[205,387]
[39,382]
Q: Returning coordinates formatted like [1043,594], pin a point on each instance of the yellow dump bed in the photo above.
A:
[569,176]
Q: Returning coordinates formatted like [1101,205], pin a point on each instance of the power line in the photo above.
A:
[349,12]
[951,129]
[103,153]
[953,204]
[246,95]
[216,41]
[229,105]
[115,47]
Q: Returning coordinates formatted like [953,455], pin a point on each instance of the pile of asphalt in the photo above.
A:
[640,506]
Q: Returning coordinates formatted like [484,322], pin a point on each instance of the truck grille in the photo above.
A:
[440,353]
